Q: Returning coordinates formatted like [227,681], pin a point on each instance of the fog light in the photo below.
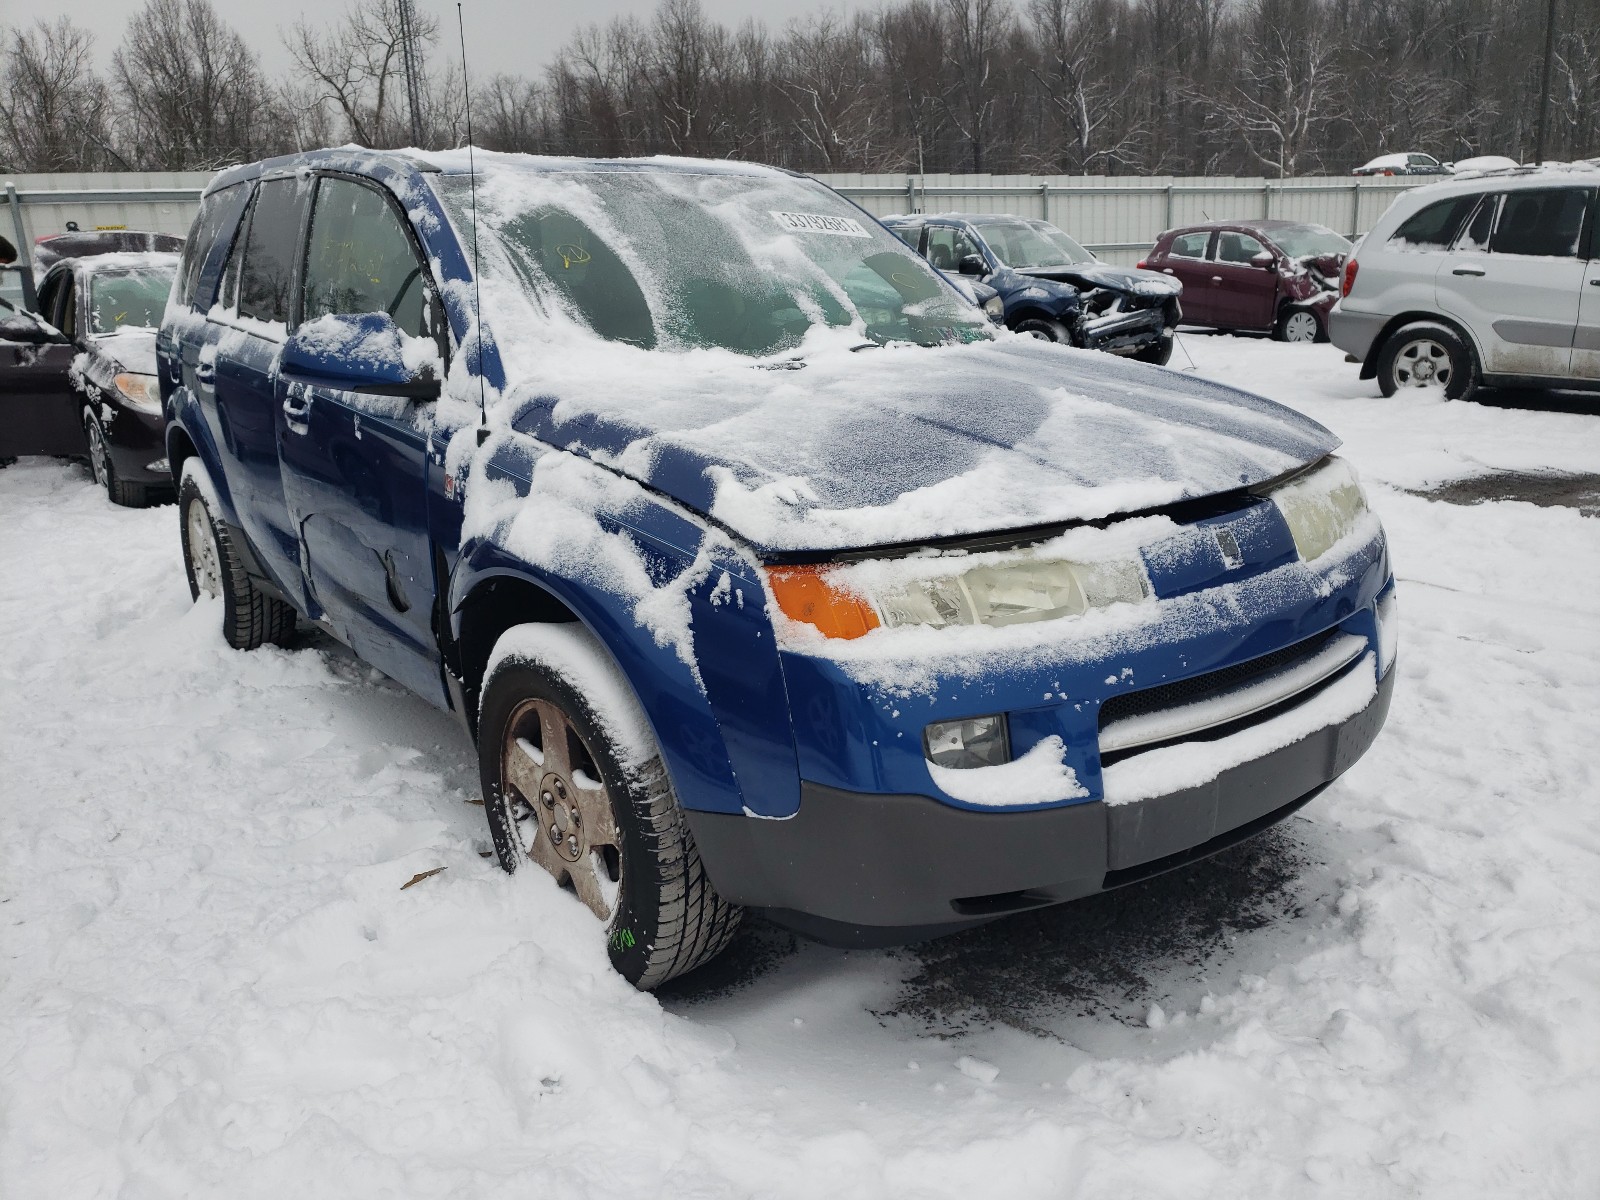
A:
[970,742]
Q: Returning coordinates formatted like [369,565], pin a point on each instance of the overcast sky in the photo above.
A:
[515,36]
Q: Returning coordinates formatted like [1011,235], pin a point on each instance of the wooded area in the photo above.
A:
[1185,87]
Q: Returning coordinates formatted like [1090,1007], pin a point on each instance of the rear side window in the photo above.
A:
[267,273]
[218,213]
[360,258]
[1190,245]
[1545,222]
[1434,227]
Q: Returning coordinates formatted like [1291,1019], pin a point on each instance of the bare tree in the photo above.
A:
[356,68]
[54,109]
[190,91]
[1087,99]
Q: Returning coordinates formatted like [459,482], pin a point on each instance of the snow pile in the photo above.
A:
[216,984]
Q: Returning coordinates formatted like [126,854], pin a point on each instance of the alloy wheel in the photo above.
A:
[558,806]
[97,455]
[1423,363]
[203,560]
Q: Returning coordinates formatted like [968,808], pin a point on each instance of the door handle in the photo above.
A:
[206,372]
[1216,279]
[1166,270]
[1594,283]
[1467,271]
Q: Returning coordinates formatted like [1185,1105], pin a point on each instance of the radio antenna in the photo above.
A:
[472,183]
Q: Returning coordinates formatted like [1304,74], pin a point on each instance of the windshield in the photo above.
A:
[1309,241]
[129,299]
[1023,244]
[673,260]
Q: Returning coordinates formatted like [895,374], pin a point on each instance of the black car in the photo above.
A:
[1052,288]
[78,378]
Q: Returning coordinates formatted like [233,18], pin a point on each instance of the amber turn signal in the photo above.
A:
[804,594]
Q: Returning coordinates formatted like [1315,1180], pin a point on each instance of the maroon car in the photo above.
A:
[1278,277]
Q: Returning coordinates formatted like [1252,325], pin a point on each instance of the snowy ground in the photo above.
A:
[213,984]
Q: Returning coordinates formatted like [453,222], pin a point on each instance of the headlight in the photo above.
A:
[1321,507]
[141,392]
[998,594]
[995,307]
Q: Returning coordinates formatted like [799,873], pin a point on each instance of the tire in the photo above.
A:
[250,617]
[1427,357]
[1298,325]
[1157,353]
[624,848]
[1045,331]
[129,495]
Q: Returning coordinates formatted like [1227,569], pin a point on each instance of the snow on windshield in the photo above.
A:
[1303,241]
[1028,244]
[682,260]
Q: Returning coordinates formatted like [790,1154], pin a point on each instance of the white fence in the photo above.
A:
[1118,217]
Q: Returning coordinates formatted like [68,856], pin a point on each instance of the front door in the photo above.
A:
[1519,288]
[245,331]
[1245,293]
[38,408]
[355,466]
[1586,338]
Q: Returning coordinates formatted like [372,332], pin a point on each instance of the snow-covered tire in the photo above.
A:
[250,617]
[1045,331]
[556,719]
[1157,353]
[1298,325]
[1427,357]
[129,495]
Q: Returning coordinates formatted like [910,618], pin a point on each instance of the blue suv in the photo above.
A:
[763,570]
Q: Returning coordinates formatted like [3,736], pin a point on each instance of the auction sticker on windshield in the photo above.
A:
[820,223]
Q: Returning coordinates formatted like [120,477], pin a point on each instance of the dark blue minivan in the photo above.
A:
[764,571]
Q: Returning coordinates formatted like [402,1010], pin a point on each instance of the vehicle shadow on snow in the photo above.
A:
[1106,957]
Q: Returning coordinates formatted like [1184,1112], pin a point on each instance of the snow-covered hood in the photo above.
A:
[905,444]
[132,350]
[1104,275]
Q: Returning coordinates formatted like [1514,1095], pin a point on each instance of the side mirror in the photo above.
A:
[973,264]
[1263,258]
[29,330]
[361,352]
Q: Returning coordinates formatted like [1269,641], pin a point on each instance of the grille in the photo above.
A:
[1213,683]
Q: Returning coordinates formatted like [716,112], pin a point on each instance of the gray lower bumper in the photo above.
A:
[867,867]
[1354,332]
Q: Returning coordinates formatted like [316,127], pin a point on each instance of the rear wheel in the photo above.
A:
[129,495]
[1298,325]
[1428,358]
[250,617]
[574,784]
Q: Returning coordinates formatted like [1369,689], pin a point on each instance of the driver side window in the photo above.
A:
[947,246]
[360,258]
[1237,248]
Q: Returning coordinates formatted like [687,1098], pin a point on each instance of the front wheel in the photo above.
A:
[1298,325]
[1428,358]
[573,783]
[250,617]
[1045,331]
[1158,353]
[129,495]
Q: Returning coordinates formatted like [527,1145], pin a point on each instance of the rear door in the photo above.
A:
[1515,277]
[38,409]
[1186,262]
[1245,294]
[246,331]
[355,466]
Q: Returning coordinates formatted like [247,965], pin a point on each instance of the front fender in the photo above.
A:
[186,421]
[721,717]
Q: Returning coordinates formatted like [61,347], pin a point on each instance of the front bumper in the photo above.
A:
[1129,331]
[136,442]
[868,868]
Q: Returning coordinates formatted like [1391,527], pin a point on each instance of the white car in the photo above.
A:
[1403,164]
[1494,279]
